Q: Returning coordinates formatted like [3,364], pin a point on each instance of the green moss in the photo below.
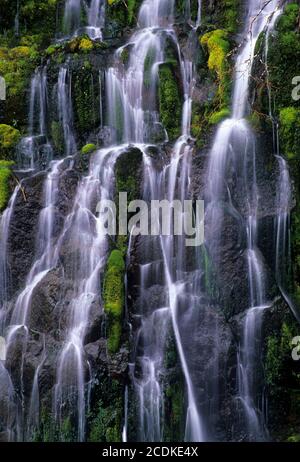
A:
[226,14]
[218,46]
[86,100]
[170,100]
[174,402]
[5,176]
[105,426]
[127,174]
[114,298]
[293,439]
[125,55]
[67,433]
[217,117]
[16,67]
[283,66]
[88,148]
[284,56]
[57,136]
[9,138]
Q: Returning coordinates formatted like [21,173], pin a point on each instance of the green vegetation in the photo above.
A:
[289,118]
[127,174]
[217,44]
[113,297]
[57,136]
[293,439]
[225,13]
[105,419]
[88,148]
[5,176]
[170,100]
[174,392]
[217,117]
[9,138]
[121,14]
[86,100]
[283,66]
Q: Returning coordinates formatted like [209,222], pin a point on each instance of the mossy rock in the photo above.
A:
[293,439]
[226,14]
[290,131]
[9,138]
[170,100]
[219,116]
[88,149]
[128,174]
[5,177]
[114,299]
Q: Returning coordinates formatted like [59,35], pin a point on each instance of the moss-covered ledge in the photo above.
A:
[170,100]
[5,178]
[114,299]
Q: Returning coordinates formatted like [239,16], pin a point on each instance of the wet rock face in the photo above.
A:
[23,229]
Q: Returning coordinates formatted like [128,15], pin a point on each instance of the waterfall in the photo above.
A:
[284,194]
[231,135]
[34,150]
[85,231]
[65,110]
[125,94]
[125,87]
[95,18]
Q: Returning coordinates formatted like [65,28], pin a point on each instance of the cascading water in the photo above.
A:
[125,86]
[231,135]
[85,231]
[72,16]
[34,149]
[155,21]
[174,317]
[65,111]
[95,17]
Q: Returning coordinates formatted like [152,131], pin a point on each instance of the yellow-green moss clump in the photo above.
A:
[88,148]
[5,176]
[9,137]
[86,45]
[114,299]
[218,116]
[217,44]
